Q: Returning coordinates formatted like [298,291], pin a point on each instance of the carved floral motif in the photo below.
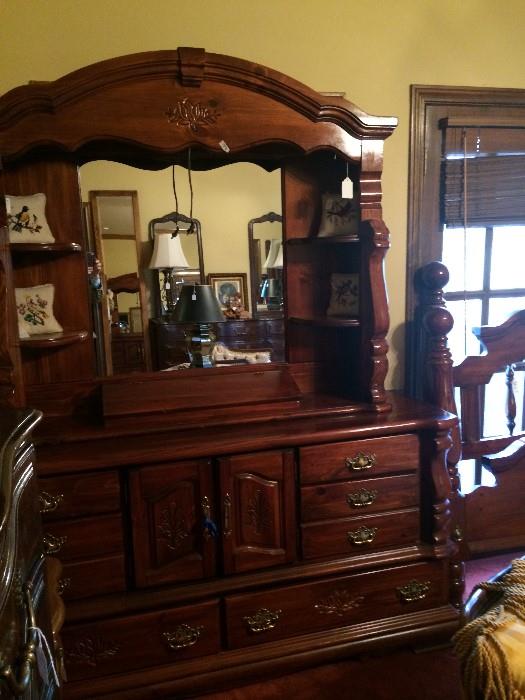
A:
[91,650]
[258,512]
[173,528]
[191,115]
[339,603]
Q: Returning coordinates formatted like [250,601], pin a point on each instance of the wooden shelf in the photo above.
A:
[46,247]
[49,340]
[323,239]
[334,321]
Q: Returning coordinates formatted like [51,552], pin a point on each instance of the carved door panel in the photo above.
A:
[258,510]
[173,522]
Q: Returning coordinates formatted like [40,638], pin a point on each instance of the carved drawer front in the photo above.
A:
[284,612]
[83,579]
[358,459]
[75,496]
[360,535]
[362,497]
[84,538]
[130,643]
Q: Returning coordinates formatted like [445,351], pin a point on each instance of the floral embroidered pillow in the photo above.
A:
[35,310]
[344,294]
[338,217]
[26,219]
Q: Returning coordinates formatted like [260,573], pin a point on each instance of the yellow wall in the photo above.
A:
[371,49]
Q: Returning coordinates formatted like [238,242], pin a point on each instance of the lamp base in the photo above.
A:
[200,341]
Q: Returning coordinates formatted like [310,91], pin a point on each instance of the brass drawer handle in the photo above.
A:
[361,498]
[62,584]
[48,502]
[413,590]
[360,462]
[53,544]
[227,503]
[262,620]
[184,636]
[363,535]
[209,526]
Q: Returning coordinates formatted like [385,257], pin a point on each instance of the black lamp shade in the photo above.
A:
[197,304]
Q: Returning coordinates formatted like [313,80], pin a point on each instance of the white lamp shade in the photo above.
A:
[275,244]
[278,262]
[167,253]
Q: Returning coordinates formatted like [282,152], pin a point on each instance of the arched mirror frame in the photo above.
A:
[190,99]
[256,254]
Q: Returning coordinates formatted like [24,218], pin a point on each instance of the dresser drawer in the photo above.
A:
[358,535]
[356,459]
[123,644]
[83,579]
[283,612]
[78,495]
[85,538]
[360,497]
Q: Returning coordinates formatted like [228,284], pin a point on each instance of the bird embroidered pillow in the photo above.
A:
[26,218]
[338,217]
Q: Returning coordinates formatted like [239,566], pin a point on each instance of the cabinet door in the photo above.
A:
[258,510]
[171,506]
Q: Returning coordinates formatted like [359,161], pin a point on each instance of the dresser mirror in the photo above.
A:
[124,224]
[265,243]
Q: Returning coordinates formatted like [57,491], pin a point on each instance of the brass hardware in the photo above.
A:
[457,534]
[363,535]
[413,590]
[361,498]
[227,515]
[18,685]
[339,603]
[183,637]
[53,544]
[62,584]
[48,502]
[262,620]
[206,514]
[360,462]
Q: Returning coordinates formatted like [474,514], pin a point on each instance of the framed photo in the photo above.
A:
[135,319]
[227,284]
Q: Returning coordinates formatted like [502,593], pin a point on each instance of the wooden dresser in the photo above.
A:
[219,525]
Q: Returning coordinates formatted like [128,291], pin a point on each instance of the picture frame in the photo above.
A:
[135,319]
[227,283]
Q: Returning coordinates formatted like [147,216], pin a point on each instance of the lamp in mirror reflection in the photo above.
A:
[169,258]
[198,307]
[272,285]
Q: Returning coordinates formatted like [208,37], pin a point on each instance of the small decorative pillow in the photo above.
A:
[338,217]
[344,294]
[26,218]
[35,310]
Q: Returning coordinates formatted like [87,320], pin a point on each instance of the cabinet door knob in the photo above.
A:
[49,502]
[184,636]
[361,498]
[363,535]
[360,462]
[227,503]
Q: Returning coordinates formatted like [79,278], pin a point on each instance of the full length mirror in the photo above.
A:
[223,201]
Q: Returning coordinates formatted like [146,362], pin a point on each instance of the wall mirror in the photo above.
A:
[224,199]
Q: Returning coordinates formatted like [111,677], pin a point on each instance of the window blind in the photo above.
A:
[483,174]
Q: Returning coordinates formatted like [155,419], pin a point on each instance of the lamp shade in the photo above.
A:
[197,304]
[278,262]
[167,253]
[272,253]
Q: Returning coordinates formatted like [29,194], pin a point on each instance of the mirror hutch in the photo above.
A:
[225,523]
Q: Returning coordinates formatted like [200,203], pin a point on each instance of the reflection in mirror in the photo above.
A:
[177,256]
[118,309]
[265,241]
[225,199]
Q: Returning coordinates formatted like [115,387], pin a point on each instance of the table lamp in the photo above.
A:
[198,306]
[168,257]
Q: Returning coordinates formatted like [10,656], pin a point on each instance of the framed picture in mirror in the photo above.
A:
[135,319]
[230,287]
